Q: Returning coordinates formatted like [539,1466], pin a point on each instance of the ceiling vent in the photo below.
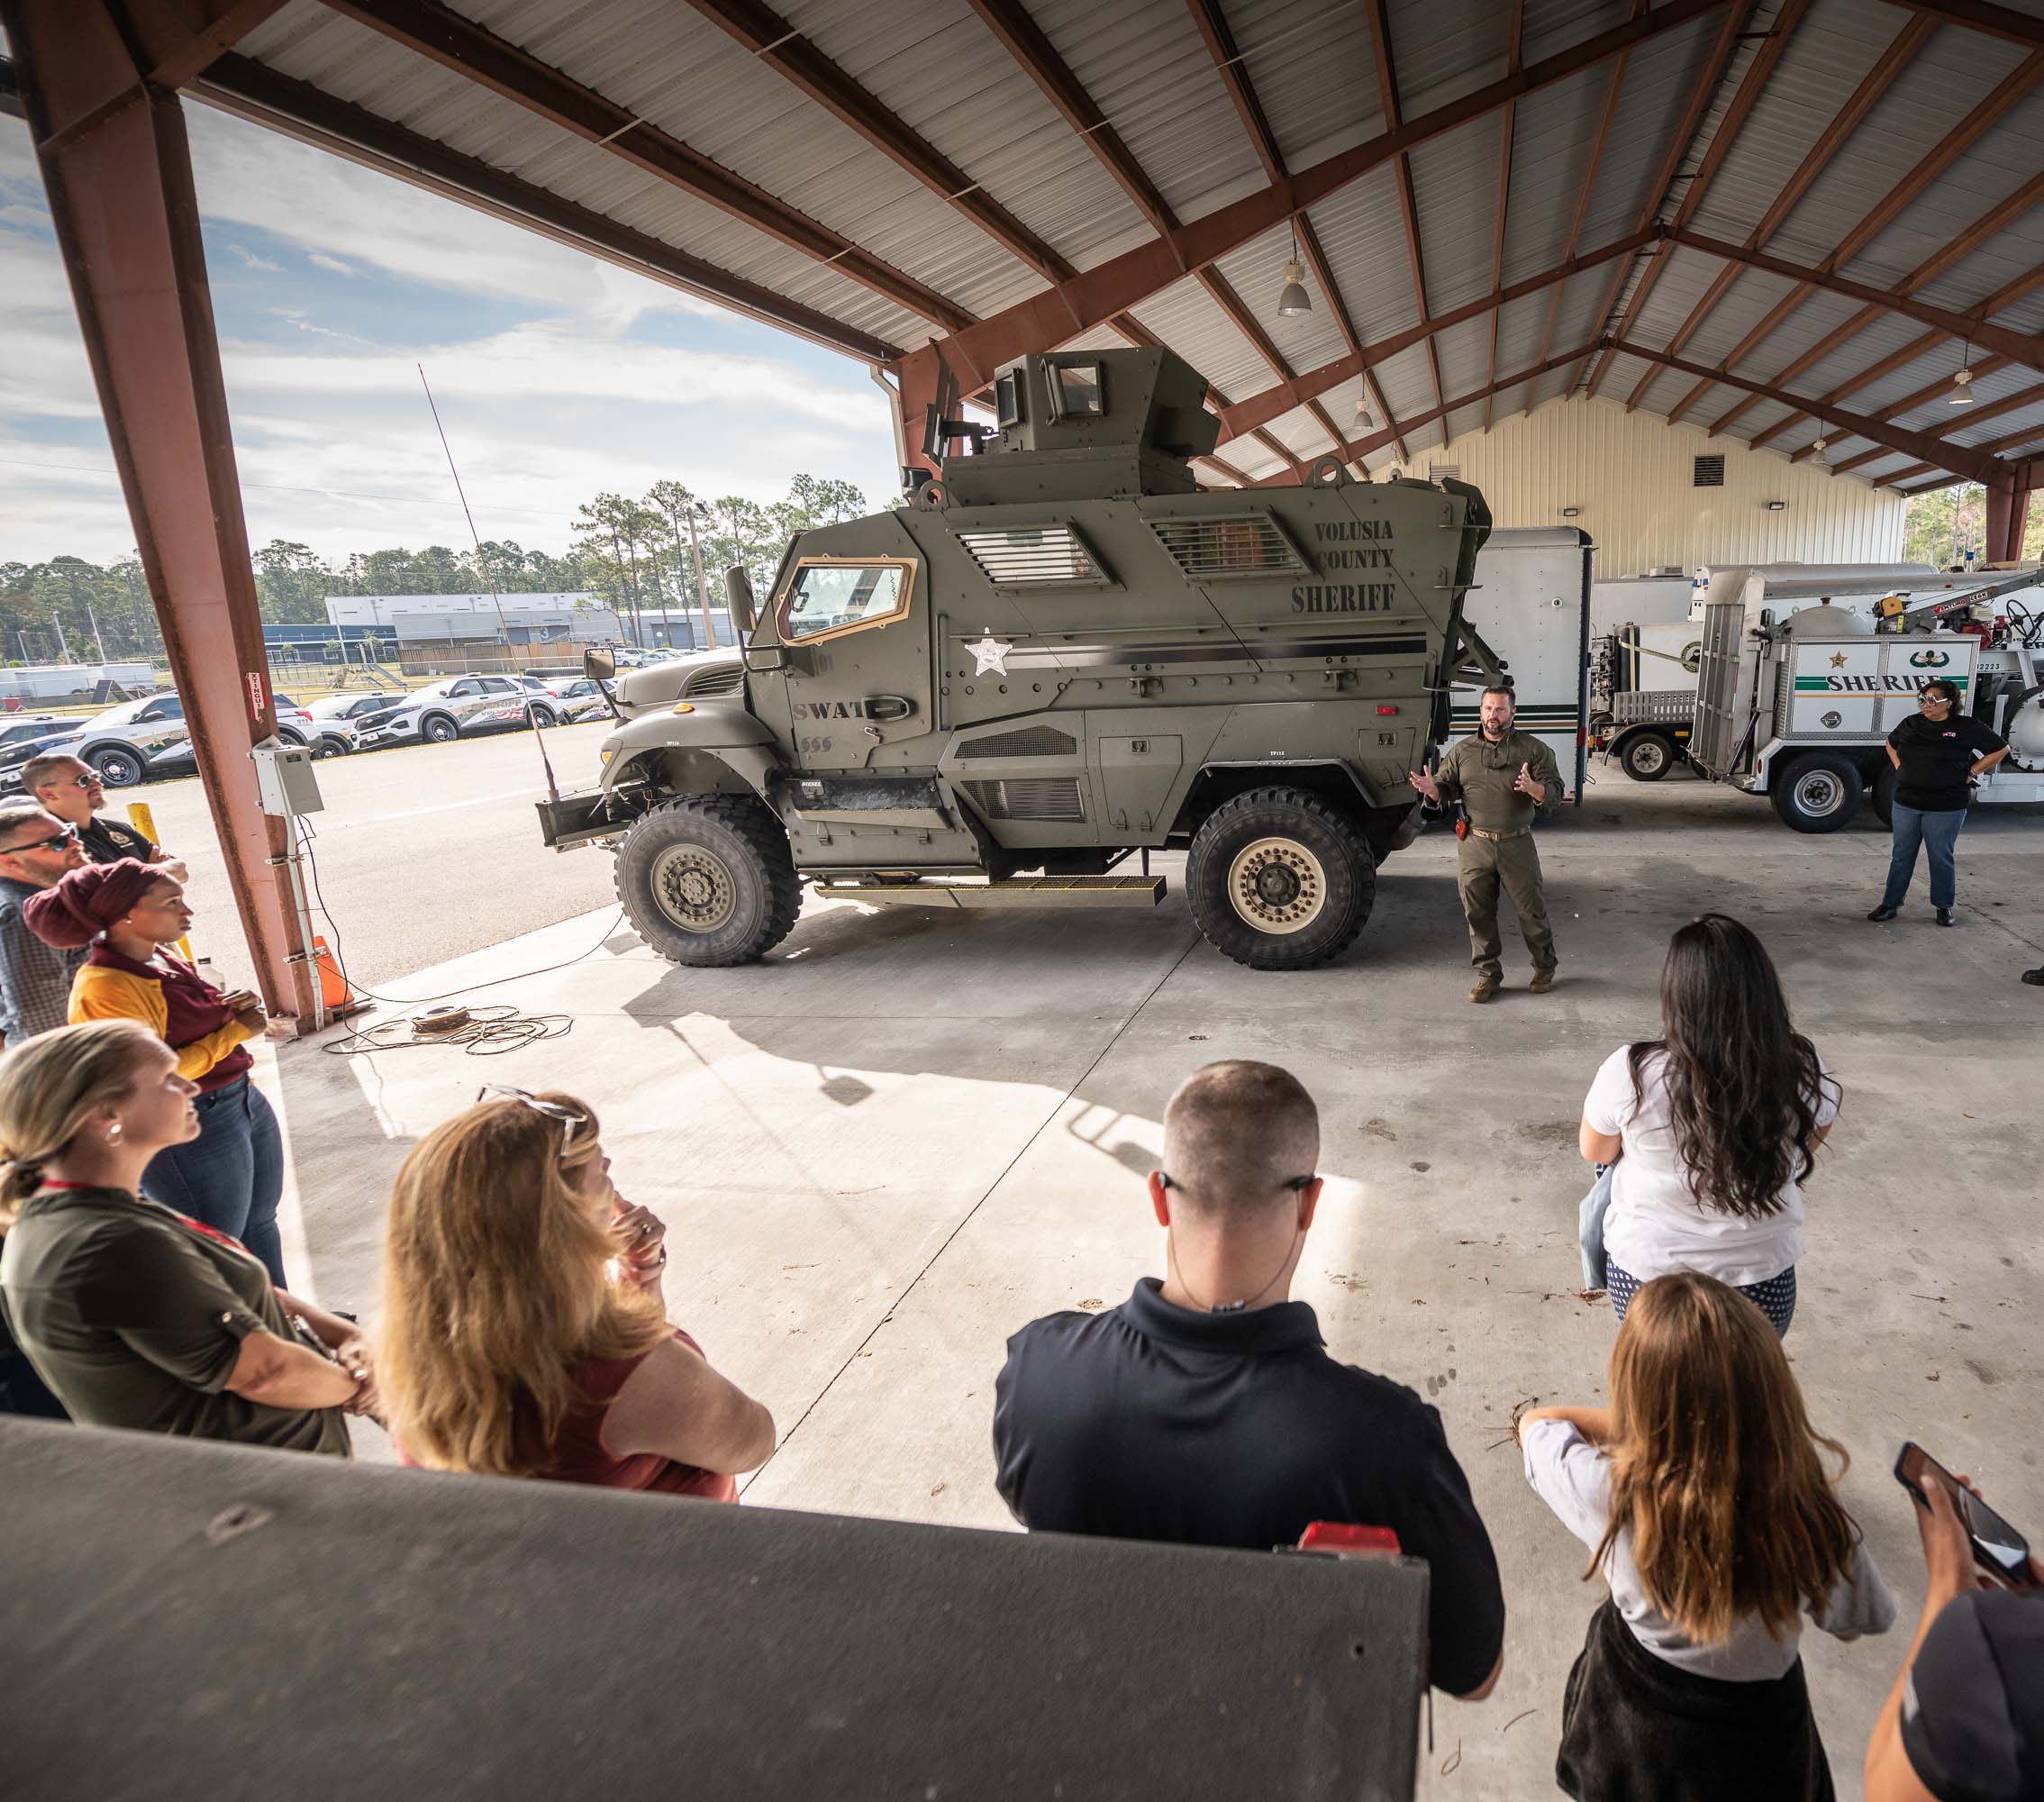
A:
[1709,473]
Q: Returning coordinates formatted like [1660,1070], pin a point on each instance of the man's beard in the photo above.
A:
[1496,734]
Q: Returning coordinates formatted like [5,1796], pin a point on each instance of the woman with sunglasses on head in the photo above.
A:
[1936,755]
[130,914]
[1702,1496]
[135,1315]
[1713,1127]
[525,1331]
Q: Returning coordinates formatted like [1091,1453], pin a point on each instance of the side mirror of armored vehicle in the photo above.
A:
[598,666]
[737,597]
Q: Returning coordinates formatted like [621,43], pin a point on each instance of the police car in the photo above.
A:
[444,710]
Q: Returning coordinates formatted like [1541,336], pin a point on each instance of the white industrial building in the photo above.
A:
[402,613]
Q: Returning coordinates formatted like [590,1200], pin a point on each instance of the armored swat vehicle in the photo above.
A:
[1059,654]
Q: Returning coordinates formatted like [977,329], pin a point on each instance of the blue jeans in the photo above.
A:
[1937,833]
[231,1175]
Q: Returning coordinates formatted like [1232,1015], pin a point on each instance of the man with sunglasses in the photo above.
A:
[71,790]
[36,848]
[1206,1410]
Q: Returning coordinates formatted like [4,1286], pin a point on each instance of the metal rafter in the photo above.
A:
[176,41]
[1120,282]
[778,45]
[1508,127]
[1993,220]
[1402,167]
[459,44]
[1338,308]
[1915,31]
[1678,148]
[1927,169]
[252,91]
[1220,41]
[1999,22]
[1356,449]
[1875,432]
[1743,100]
[1974,416]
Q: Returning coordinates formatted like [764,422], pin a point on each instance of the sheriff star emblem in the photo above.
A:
[990,655]
[1838,659]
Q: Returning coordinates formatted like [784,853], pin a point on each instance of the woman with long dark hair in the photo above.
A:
[1701,1493]
[1714,1126]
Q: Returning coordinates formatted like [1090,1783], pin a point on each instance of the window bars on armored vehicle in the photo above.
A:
[1032,556]
[1209,548]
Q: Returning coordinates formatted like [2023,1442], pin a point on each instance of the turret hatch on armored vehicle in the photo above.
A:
[1062,652]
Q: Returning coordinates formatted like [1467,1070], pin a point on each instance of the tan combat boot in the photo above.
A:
[1543,980]
[1487,986]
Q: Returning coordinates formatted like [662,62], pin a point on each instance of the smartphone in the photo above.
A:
[1998,1548]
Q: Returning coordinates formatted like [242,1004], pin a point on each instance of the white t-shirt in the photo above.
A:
[1573,1477]
[1654,1224]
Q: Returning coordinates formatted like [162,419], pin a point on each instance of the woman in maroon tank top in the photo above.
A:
[525,1334]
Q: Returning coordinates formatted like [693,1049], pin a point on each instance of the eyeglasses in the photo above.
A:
[1933,700]
[576,1124]
[68,837]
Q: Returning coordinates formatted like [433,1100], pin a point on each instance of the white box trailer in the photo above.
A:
[1531,604]
[1800,710]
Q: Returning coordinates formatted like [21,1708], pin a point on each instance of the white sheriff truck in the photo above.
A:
[1799,708]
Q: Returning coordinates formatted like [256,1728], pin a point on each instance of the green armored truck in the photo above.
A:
[1059,654]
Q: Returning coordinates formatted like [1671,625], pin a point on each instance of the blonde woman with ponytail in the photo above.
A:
[524,1331]
[135,1315]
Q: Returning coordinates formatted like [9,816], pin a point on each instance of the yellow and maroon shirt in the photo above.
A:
[174,1001]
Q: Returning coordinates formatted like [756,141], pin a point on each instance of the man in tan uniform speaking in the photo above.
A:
[1503,777]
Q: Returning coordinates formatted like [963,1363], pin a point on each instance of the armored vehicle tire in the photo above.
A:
[1278,879]
[1882,793]
[118,768]
[707,879]
[1819,792]
[1648,756]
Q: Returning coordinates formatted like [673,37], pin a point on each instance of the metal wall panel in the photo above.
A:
[1632,476]
[1455,192]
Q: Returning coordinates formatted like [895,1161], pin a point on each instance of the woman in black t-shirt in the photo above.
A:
[1935,754]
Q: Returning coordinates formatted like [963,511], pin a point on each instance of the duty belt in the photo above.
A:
[1499,838]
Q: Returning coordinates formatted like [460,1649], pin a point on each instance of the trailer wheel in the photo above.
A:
[1882,793]
[1647,756]
[1278,879]
[1819,792]
[708,879]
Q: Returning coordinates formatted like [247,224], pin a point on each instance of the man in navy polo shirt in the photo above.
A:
[1206,1410]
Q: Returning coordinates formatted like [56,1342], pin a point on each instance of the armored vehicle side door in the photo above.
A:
[854,637]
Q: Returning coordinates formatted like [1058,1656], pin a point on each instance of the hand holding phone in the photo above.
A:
[1997,1549]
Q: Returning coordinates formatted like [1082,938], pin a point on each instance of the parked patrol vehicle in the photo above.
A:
[1060,653]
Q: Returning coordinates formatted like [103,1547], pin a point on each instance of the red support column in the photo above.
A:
[2001,512]
[924,380]
[118,171]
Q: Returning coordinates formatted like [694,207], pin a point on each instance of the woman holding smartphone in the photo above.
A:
[525,1330]
[1702,1496]
[131,913]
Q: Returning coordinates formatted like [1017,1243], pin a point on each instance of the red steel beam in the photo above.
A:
[1356,449]
[1978,15]
[127,222]
[1259,409]
[458,43]
[1995,219]
[1670,171]
[1508,129]
[1402,169]
[778,45]
[1962,418]
[252,91]
[1915,30]
[173,42]
[1874,431]
[1743,104]
[1127,280]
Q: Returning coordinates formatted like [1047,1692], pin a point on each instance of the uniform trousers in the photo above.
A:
[1486,865]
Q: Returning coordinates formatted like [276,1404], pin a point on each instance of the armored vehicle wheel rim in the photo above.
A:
[1277,886]
[1819,793]
[695,888]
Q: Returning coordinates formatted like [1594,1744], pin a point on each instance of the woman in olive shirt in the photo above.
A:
[1936,753]
[136,1315]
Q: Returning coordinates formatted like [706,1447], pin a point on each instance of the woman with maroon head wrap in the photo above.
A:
[131,913]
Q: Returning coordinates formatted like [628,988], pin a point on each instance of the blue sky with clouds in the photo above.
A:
[557,375]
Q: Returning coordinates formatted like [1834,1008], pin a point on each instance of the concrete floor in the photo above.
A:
[908,1133]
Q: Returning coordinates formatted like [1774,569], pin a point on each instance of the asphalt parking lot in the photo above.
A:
[424,851]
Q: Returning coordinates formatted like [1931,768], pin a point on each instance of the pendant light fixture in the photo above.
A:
[1364,419]
[1293,298]
[1818,447]
[1962,381]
